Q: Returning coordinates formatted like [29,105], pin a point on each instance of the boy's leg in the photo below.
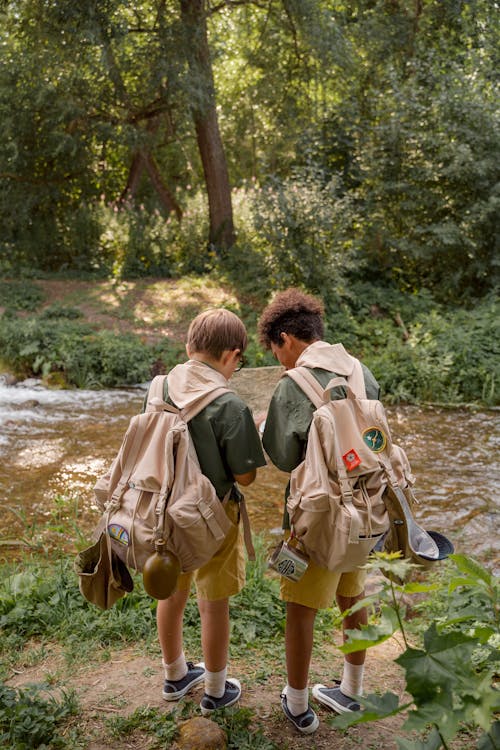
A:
[222,577]
[180,676]
[315,590]
[169,616]
[341,697]
[214,633]
[299,637]
[215,644]
[352,677]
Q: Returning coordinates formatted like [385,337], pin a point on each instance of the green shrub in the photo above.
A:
[88,359]
[28,720]
[60,311]
[450,672]
[20,295]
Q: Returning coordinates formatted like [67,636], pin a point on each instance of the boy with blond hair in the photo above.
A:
[229,452]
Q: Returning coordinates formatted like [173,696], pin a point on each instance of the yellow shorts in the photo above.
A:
[317,587]
[224,574]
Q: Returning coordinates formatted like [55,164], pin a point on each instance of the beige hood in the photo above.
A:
[190,382]
[335,358]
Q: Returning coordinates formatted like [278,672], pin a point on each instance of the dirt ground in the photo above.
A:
[128,681]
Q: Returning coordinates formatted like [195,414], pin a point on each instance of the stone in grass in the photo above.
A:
[201,734]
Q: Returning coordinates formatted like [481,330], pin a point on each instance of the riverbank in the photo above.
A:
[105,333]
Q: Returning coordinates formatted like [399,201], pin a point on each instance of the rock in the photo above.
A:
[6,378]
[201,734]
[55,380]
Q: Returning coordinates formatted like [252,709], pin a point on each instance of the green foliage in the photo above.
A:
[241,732]
[451,355]
[59,311]
[44,601]
[29,720]
[160,726]
[257,614]
[20,295]
[57,342]
[302,227]
[450,676]
[370,130]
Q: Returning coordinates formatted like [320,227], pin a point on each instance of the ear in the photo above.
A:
[188,352]
[226,356]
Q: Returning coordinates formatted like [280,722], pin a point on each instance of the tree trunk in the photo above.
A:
[206,124]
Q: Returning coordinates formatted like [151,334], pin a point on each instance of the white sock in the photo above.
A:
[352,679]
[215,683]
[177,669]
[296,700]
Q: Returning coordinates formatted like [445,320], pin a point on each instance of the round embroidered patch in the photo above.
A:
[118,533]
[375,439]
[286,567]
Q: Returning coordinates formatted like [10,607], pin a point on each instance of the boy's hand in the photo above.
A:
[259,417]
[259,420]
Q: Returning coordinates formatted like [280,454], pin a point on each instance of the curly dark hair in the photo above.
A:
[292,312]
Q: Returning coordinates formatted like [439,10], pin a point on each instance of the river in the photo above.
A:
[55,443]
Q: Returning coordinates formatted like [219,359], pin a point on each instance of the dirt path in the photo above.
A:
[128,681]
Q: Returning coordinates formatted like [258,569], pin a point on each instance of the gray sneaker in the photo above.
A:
[175,689]
[335,698]
[307,722]
[231,695]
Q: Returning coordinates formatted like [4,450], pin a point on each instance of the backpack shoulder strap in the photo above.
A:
[308,384]
[156,387]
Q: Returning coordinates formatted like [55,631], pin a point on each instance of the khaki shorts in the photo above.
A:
[224,574]
[318,587]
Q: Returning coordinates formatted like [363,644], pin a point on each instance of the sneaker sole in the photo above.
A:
[326,701]
[207,711]
[182,693]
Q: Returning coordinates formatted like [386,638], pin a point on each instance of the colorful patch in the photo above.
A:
[119,534]
[375,439]
[351,459]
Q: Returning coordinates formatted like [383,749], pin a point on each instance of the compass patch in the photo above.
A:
[375,439]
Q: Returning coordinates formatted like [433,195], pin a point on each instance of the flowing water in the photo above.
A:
[55,443]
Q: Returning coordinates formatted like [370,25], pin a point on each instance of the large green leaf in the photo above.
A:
[491,739]
[375,707]
[472,569]
[432,742]
[437,669]
[373,634]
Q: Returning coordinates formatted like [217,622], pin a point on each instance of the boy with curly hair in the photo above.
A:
[291,326]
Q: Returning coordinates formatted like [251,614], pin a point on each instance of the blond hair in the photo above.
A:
[214,331]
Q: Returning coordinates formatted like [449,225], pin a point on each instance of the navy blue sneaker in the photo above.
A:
[307,722]
[175,689]
[335,698]
[231,695]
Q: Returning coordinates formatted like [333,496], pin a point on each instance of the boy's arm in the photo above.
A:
[240,444]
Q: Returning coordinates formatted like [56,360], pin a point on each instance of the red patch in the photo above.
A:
[351,459]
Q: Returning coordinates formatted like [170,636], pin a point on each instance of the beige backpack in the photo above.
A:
[155,489]
[336,503]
